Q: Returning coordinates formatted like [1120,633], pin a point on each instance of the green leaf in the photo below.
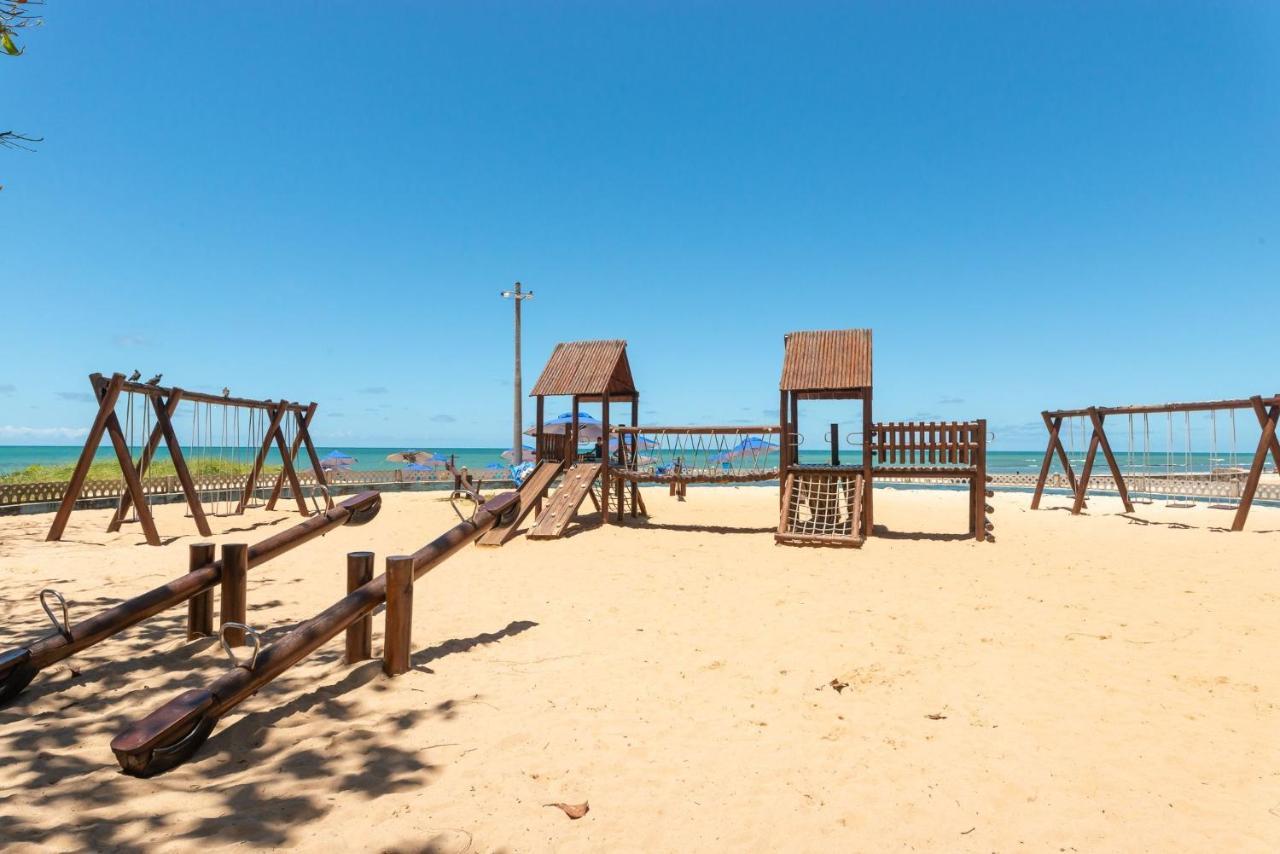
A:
[8,45]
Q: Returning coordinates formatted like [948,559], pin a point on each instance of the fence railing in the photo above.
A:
[32,493]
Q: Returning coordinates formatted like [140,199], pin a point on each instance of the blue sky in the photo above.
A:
[1033,205]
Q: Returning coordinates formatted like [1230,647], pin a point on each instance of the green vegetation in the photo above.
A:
[110,470]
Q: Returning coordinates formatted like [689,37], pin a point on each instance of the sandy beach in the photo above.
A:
[1098,683]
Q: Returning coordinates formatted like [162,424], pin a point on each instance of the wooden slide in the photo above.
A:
[565,501]
[537,483]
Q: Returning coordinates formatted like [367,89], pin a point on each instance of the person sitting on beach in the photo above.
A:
[597,452]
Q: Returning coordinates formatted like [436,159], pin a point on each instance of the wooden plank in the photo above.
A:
[107,393]
[574,488]
[304,430]
[530,494]
[788,486]
[200,606]
[235,590]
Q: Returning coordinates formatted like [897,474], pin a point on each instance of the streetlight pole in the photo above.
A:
[517,296]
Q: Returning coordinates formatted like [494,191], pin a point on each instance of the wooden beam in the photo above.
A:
[1265,445]
[261,458]
[294,446]
[1116,474]
[304,428]
[107,393]
[1078,505]
[144,462]
[165,425]
[868,484]
[604,460]
[286,468]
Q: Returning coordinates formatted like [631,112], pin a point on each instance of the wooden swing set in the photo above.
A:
[284,424]
[1265,409]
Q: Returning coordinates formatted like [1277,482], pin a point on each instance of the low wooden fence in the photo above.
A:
[34,493]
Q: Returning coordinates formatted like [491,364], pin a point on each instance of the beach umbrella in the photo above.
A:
[749,447]
[496,467]
[589,427]
[409,457]
[429,465]
[337,460]
[526,454]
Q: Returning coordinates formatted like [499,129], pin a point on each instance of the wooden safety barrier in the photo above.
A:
[172,733]
[19,666]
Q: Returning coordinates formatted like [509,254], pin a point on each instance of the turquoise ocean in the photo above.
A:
[15,457]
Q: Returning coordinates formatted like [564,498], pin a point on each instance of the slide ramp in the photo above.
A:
[533,488]
[565,502]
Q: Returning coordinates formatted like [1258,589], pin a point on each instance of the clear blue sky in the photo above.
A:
[1032,204]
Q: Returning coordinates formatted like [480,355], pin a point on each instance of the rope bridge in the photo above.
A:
[681,455]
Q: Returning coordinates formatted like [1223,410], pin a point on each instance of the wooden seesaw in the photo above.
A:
[19,666]
[172,733]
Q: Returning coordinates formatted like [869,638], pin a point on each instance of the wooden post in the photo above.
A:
[1085,473]
[108,393]
[784,447]
[304,430]
[131,480]
[1116,474]
[235,589]
[635,450]
[399,633]
[1265,445]
[604,459]
[571,438]
[359,633]
[1055,426]
[200,606]
[538,433]
[835,444]
[978,492]
[868,517]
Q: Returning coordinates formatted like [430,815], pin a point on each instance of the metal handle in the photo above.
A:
[250,632]
[63,628]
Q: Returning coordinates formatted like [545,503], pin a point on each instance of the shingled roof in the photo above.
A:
[827,360]
[586,368]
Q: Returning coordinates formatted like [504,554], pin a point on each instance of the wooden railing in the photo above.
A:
[961,444]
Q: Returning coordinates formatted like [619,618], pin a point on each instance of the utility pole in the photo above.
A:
[517,426]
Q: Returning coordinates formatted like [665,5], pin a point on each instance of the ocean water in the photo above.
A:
[14,457]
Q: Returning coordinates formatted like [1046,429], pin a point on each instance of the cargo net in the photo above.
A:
[697,455]
[822,507]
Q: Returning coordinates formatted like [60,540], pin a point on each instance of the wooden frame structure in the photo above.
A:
[825,365]
[1265,409]
[837,365]
[164,402]
[586,372]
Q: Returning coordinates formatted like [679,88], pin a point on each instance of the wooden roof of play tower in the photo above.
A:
[587,369]
[826,362]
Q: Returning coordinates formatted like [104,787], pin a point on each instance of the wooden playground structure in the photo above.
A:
[833,504]
[821,504]
[265,422]
[1235,485]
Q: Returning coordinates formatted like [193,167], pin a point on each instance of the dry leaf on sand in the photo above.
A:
[574,811]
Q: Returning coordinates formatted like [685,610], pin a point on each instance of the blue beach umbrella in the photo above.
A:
[496,467]
[751,446]
[337,460]
[589,427]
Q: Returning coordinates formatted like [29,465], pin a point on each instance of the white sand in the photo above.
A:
[1099,684]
